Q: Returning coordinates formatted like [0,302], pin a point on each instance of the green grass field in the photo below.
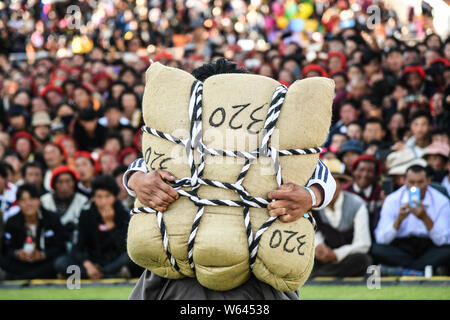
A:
[307,293]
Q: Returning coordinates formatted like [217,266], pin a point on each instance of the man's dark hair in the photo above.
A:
[129,91]
[421,113]
[33,164]
[219,66]
[416,169]
[105,182]
[369,55]
[30,188]
[375,120]
[355,122]
[117,136]
[354,103]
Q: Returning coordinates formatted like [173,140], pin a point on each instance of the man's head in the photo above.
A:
[53,155]
[420,124]
[365,171]
[28,199]
[63,181]
[354,130]
[108,162]
[350,150]
[105,191]
[394,59]
[86,166]
[32,173]
[349,111]
[373,130]
[416,176]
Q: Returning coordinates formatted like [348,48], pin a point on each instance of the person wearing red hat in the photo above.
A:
[102,81]
[24,144]
[53,95]
[366,171]
[87,167]
[336,61]
[64,199]
[313,70]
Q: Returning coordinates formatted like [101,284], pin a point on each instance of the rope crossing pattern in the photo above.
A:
[194,143]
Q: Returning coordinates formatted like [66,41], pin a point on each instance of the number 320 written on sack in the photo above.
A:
[278,238]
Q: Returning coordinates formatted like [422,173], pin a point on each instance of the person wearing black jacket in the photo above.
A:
[101,250]
[33,238]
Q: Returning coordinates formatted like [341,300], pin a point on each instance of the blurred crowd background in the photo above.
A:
[72,77]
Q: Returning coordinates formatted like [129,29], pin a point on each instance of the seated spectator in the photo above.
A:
[373,130]
[348,112]
[8,205]
[65,201]
[113,118]
[87,167]
[413,236]
[40,126]
[366,171]
[436,155]
[13,164]
[88,133]
[126,200]
[33,173]
[127,156]
[336,141]
[354,130]
[108,162]
[350,151]
[54,157]
[343,237]
[32,239]
[101,246]
[420,125]
[23,143]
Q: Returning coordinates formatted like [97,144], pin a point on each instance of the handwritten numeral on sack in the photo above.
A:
[211,119]
[148,156]
[277,238]
[219,115]
[254,120]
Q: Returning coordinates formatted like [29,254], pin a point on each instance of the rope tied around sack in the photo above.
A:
[195,143]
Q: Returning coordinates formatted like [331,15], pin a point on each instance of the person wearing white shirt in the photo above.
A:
[411,237]
[343,238]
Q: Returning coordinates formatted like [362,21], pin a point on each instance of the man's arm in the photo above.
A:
[321,183]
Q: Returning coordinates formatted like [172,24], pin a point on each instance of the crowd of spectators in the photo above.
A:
[72,77]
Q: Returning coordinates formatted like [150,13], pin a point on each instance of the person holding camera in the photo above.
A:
[414,227]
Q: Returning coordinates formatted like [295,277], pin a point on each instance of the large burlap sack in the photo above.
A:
[233,105]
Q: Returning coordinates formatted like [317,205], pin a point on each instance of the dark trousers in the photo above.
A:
[108,269]
[412,252]
[17,269]
[354,265]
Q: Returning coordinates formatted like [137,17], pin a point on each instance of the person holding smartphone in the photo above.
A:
[413,234]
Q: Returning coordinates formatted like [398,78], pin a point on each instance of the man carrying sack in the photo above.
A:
[289,203]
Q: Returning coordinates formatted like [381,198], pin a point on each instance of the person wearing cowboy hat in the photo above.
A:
[342,239]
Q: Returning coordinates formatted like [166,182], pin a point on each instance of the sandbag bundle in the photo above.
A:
[229,141]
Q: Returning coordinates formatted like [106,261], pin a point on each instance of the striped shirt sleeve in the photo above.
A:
[136,165]
[323,177]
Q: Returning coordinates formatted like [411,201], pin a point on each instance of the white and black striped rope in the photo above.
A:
[194,143]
